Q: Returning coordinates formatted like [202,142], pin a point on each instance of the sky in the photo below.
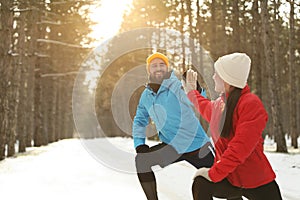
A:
[67,170]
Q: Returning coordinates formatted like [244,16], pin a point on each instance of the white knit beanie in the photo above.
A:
[234,69]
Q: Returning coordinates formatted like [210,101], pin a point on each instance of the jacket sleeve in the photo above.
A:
[251,121]
[140,122]
[202,104]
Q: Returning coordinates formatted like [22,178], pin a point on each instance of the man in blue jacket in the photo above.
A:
[182,137]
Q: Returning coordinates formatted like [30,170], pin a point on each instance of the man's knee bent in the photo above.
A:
[143,167]
[143,163]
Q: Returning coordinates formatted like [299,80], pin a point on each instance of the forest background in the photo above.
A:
[44,43]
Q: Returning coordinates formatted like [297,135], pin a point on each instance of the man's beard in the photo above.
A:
[158,79]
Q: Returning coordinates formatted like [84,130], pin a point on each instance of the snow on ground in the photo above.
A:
[67,170]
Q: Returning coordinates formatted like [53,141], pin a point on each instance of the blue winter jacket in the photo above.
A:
[174,117]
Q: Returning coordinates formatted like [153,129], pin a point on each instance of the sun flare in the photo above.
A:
[108,18]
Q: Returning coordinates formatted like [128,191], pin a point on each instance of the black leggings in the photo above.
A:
[206,190]
[164,155]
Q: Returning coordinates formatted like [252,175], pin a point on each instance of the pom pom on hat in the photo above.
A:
[156,55]
[234,69]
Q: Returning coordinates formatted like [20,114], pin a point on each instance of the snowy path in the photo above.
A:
[65,170]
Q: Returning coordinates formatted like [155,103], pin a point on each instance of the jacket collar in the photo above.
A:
[245,90]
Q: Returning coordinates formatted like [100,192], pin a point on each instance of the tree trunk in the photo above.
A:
[58,110]
[32,18]
[198,36]
[38,137]
[292,72]
[45,108]
[5,65]
[23,61]
[272,82]
[281,143]
[213,41]
[22,114]
[183,46]
[67,118]
[236,26]
[191,29]
[52,132]
[41,64]
[223,24]
[256,64]
[13,101]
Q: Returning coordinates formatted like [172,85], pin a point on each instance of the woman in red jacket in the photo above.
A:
[241,167]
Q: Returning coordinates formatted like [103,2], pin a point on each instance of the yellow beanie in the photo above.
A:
[156,55]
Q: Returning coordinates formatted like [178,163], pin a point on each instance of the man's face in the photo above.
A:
[157,70]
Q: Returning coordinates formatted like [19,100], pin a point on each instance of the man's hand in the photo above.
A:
[202,172]
[142,148]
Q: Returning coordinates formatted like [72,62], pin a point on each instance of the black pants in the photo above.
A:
[206,190]
[164,155]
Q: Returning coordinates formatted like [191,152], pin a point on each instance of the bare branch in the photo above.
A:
[21,10]
[59,74]
[41,55]
[59,43]
[49,22]
[64,2]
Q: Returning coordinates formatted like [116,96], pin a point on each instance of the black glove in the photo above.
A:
[142,148]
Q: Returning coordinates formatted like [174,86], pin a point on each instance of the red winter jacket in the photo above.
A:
[239,158]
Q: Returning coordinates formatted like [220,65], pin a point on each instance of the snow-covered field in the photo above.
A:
[68,170]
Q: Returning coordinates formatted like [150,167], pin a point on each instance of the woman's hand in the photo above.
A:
[191,81]
[202,172]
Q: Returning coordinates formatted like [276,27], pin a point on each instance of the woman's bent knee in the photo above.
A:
[200,182]
[201,188]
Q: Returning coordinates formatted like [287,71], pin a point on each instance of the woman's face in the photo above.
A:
[219,83]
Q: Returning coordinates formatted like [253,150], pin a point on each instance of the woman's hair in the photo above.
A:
[228,112]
